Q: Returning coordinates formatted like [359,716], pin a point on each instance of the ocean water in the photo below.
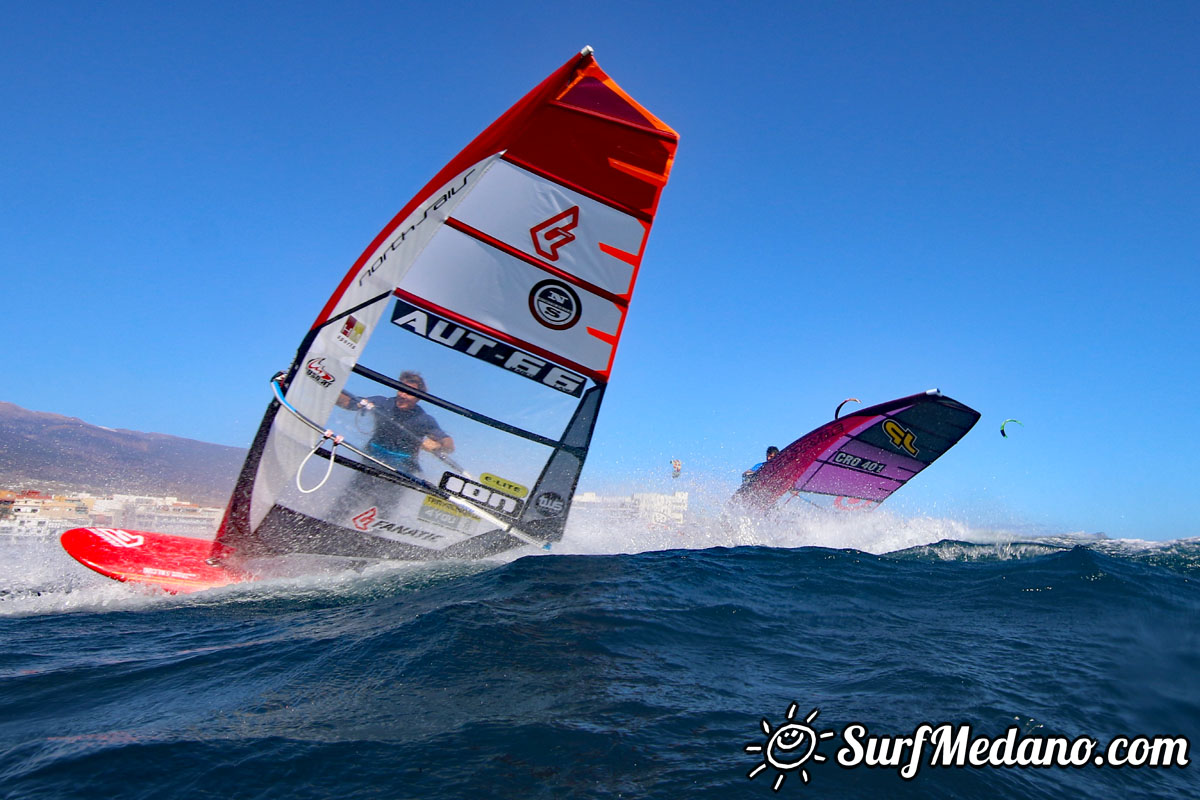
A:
[625,663]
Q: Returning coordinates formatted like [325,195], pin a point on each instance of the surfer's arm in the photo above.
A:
[347,400]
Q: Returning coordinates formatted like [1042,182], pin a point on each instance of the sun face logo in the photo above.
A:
[789,747]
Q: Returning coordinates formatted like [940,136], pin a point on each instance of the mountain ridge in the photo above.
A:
[39,448]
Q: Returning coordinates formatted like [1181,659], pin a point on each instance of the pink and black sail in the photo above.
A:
[859,460]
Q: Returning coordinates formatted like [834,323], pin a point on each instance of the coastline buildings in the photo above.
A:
[33,512]
[647,508]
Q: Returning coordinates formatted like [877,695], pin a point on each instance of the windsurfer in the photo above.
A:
[749,474]
[402,430]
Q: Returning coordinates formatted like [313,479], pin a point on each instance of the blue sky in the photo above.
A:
[869,200]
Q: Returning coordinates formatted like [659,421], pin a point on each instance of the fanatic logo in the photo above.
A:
[554,233]
[363,521]
[789,747]
[118,538]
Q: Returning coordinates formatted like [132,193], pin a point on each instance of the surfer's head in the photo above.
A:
[772,452]
[413,379]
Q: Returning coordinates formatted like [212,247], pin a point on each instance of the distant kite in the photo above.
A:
[837,411]
[1002,424]
[676,466]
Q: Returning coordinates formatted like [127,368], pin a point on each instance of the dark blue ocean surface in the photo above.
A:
[577,676]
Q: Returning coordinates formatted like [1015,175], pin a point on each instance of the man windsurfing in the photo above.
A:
[401,430]
[749,474]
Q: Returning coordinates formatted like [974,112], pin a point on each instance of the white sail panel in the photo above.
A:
[290,441]
[549,222]
[488,286]
[386,264]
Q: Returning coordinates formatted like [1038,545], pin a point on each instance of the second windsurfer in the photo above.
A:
[749,474]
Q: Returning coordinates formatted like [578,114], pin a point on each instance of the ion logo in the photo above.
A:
[503,504]
[119,538]
[789,746]
[550,504]
[901,437]
[555,232]
[554,304]
[315,369]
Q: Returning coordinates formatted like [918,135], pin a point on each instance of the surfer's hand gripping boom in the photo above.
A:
[424,486]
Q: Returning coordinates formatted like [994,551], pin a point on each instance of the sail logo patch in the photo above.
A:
[368,521]
[843,503]
[363,521]
[902,437]
[437,511]
[498,502]
[550,504]
[118,538]
[554,304]
[554,233]
[351,332]
[503,484]
[315,369]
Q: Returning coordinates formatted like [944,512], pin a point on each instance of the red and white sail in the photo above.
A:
[505,282]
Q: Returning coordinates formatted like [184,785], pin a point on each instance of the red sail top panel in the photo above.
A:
[577,127]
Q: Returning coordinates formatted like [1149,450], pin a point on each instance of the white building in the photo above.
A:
[34,513]
[183,519]
[666,510]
